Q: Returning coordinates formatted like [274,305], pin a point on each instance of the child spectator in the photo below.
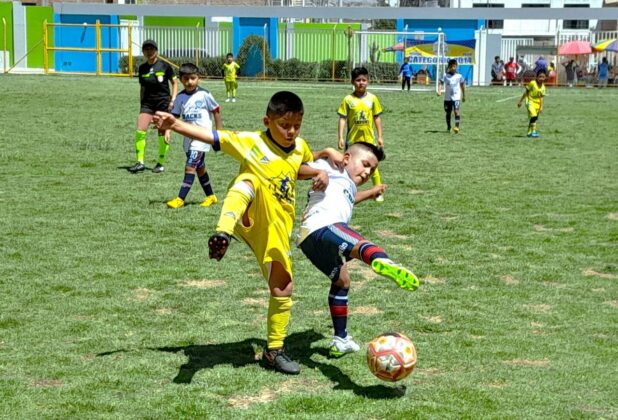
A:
[454,94]
[405,72]
[230,67]
[511,69]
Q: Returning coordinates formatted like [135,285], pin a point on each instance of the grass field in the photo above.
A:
[110,307]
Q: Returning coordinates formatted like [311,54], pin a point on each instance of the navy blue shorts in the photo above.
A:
[195,159]
[449,106]
[329,247]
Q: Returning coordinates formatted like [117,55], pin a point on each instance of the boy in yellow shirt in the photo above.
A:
[533,95]
[361,112]
[230,67]
[260,204]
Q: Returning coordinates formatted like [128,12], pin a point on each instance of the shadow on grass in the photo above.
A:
[126,168]
[247,352]
[437,131]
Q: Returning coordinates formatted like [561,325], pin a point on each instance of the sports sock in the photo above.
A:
[369,252]
[236,202]
[448,120]
[205,182]
[279,309]
[186,185]
[234,90]
[338,304]
[163,148]
[376,179]
[140,145]
[533,123]
[457,120]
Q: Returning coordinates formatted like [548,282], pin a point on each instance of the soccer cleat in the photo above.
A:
[233,99]
[400,275]
[456,130]
[217,245]
[158,168]
[535,134]
[176,203]
[279,361]
[227,99]
[380,198]
[209,201]
[138,167]
[529,134]
[341,346]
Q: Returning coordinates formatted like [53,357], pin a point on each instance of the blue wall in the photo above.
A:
[243,27]
[85,37]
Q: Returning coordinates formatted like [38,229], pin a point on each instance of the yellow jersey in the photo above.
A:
[535,93]
[229,71]
[359,114]
[276,168]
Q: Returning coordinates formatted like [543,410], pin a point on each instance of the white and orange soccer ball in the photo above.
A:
[391,356]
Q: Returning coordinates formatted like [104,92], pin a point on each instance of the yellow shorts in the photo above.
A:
[533,109]
[269,230]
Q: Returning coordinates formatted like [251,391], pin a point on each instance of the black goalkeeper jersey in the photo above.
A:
[155,78]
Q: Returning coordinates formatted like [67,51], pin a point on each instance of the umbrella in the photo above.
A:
[575,48]
[608,45]
[396,47]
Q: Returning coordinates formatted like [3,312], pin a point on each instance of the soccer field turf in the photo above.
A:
[110,307]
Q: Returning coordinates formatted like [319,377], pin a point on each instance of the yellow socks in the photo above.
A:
[235,204]
[140,145]
[163,148]
[376,179]
[279,309]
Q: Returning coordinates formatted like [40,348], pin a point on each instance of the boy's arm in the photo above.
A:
[521,100]
[335,157]
[319,177]
[218,122]
[174,93]
[378,122]
[370,193]
[166,121]
[341,127]
[542,102]
[462,85]
[439,92]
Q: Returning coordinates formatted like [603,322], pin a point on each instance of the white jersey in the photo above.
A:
[196,108]
[334,205]
[452,88]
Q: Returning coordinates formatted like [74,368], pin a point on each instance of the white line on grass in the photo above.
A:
[507,99]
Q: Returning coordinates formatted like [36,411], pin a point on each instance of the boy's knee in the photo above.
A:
[279,281]
[344,279]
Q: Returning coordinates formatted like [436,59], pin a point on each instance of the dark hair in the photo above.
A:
[451,62]
[188,69]
[496,57]
[376,150]
[539,71]
[229,55]
[283,102]
[359,71]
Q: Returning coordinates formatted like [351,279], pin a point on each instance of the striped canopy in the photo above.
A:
[608,45]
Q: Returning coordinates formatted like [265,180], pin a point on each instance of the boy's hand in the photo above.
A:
[540,110]
[320,181]
[334,157]
[163,120]
[378,190]
[381,142]
[340,144]
[519,104]
[168,137]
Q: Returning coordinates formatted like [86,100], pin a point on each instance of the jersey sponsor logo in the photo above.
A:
[264,160]
[348,196]
[361,118]
[192,116]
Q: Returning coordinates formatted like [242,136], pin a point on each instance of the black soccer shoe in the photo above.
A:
[279,361]
[217,245]
[158,168]
[138,167]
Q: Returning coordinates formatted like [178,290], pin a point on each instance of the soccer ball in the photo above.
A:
[391,356]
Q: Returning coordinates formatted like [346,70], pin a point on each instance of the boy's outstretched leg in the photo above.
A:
[236,202]
[279,311]
[377,258]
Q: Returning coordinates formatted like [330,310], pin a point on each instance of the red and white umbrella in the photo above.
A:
[575,48]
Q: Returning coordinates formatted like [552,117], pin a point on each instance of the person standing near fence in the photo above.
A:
[511,69]
[603,72]
[230,67]
[405,72]
[155,77]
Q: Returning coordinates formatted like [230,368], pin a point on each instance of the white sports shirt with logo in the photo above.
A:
[452,88]
[334,205]
[196,108]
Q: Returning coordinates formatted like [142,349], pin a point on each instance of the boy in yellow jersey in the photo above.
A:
[259,206]
[230,67]
[361,111]
[533,95]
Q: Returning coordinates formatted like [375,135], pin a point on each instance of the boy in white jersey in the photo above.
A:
[327,240]
[454,94]
[196,106]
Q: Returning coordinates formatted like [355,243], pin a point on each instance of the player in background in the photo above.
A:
[327,240]
[360,111]
[230,68]
[197,106]
[511,69]
[533,97]
[454,93]
[259,206]
[155,76]
[405,72]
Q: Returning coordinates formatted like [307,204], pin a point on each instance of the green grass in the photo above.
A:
[110,307]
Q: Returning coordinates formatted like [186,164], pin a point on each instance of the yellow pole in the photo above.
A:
[97,29]
[4,39]
[130,38]
[45,48]
[197,42]
[332,55]
[264,55]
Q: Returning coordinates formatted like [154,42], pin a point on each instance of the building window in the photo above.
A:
[491,23]
[535,5]
[576,24]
